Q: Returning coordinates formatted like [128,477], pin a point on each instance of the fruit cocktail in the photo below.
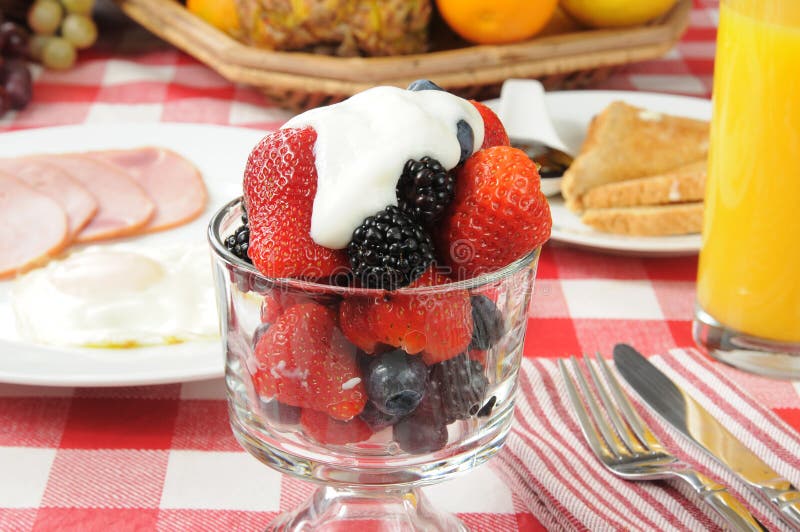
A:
[374,284]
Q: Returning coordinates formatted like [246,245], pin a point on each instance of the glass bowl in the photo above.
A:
[287,342]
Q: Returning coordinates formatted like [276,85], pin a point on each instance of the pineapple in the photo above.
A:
[343,27]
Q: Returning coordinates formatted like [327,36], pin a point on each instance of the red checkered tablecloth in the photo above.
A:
[163,457]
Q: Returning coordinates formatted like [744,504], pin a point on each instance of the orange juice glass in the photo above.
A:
[748,286]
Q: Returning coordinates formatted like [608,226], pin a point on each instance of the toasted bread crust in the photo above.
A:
[661,220]
[684,184]
[625,142]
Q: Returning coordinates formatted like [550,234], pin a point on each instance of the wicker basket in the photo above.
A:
[563,57]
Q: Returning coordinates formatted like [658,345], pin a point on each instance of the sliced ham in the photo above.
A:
[171,181]
[124,208]
[77,202]
[33,227]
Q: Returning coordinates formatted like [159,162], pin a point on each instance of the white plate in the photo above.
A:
[571,112]
[220,153]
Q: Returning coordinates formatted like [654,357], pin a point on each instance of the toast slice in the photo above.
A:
[625,142]
[659,220]
[681,185]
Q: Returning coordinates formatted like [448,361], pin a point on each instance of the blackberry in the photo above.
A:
[389,250]
[239,241]
[425,189]
[486,410]
[488,326]
[461,385]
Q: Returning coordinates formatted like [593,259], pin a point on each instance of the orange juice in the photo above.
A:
[749,272]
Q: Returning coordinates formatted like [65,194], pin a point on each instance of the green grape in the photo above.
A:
[81,7]
[59,54]
[79,30]
[44,16]
[36,45]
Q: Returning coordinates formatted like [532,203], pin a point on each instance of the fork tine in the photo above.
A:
[600,447]
[628,438]
[611,439]
[639,427]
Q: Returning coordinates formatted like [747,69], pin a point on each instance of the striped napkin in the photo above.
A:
[549,465]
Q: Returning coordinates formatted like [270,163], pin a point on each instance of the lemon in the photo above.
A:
[616,13]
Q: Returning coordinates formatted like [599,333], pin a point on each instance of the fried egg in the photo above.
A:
[119,295]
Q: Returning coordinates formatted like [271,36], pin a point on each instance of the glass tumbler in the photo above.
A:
[748,285]
[369,468]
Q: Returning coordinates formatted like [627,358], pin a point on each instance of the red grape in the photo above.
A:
[5,101]
[16,78]
[16,85]
[13,40]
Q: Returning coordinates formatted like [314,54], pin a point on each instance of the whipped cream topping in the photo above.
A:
[364,142]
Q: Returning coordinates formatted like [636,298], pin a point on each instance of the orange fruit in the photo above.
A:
[498,21]
[221,14]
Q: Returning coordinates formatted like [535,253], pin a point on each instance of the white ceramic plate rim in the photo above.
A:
[571,112]
[220,153]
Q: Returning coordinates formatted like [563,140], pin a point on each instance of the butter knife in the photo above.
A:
[689,417]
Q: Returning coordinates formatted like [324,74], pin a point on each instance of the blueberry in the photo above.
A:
[376,419]
[425,429]
[396,382]
[488,326]
[466,139]
[424,85]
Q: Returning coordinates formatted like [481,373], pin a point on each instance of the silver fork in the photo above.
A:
[628,448]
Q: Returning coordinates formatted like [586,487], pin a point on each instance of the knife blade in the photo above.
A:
[688,416]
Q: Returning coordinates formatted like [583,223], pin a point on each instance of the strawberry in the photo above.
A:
[279,299]
[280,182]
[326,429]
[498,215]
[303,360]
[275,302]
[437,324]
[494,134]
[478,356]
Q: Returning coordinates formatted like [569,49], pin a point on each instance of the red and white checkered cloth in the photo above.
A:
[163,457]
